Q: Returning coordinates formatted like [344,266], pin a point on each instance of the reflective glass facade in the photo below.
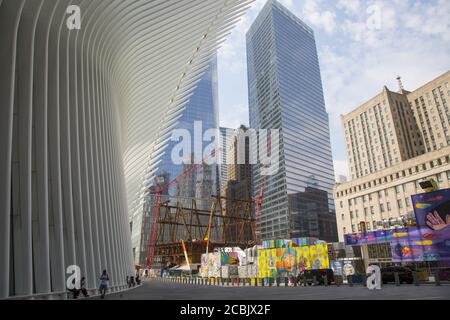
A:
[285,93]
[203,182]
[202,107]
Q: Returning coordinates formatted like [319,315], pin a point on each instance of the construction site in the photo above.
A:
[184,229]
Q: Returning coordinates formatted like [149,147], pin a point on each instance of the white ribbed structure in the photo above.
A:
[84,115]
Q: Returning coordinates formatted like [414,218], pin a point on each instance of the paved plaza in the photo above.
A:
[158,290]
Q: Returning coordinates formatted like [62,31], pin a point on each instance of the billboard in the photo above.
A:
[374,237]
[428,241]
[432,212]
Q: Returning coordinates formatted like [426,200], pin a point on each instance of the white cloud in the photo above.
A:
[352,7]
[340,168]
[318,17]
[356,61]
[234,116]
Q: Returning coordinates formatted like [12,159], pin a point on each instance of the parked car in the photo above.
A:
[444,274]
[308,276]
[405,274]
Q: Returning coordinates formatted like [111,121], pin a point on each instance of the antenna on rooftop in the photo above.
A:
[400,83]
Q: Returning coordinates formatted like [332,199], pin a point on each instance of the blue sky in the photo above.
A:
[363,45]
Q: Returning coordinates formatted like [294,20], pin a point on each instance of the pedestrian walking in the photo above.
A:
[104,282]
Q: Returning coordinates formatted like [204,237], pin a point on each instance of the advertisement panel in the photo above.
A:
[432,238]
[428,241]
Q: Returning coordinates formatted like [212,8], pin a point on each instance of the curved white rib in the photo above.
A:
[84,118]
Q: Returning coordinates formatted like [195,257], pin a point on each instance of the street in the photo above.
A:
[158,290]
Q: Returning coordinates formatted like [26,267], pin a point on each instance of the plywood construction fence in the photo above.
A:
[283,262]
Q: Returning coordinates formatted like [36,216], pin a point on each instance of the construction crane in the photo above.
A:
[158,192]
[258,200]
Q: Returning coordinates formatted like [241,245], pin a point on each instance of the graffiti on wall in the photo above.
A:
[283,262]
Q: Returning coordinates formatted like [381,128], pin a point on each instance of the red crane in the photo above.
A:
[258,200]
[158,192]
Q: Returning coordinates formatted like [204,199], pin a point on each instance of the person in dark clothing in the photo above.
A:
[83,287]
[75,291]
[138,279]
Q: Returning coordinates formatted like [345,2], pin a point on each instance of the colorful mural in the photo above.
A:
[230,271]
[429,241]
[283,262]
[229,258]
[210,265]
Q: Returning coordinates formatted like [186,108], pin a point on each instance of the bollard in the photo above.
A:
[256,282]
[223,281]
[278,282]
[325,280]
[397,279]
[416,278]
[437,279]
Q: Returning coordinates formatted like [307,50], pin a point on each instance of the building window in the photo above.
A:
[353,228]
[408,202]
[343,217]
[439,178]
[400,204]
[386,192]
[351,215]
[448,175]
[372,210]
[368,226]
[342,204]
[381,208]
[389,206]
[366,212]
[398,189]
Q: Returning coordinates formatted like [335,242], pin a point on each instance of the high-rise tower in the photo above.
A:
[285,93]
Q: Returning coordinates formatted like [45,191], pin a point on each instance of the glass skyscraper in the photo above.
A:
[285,93]
[202,111]
[201,114]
